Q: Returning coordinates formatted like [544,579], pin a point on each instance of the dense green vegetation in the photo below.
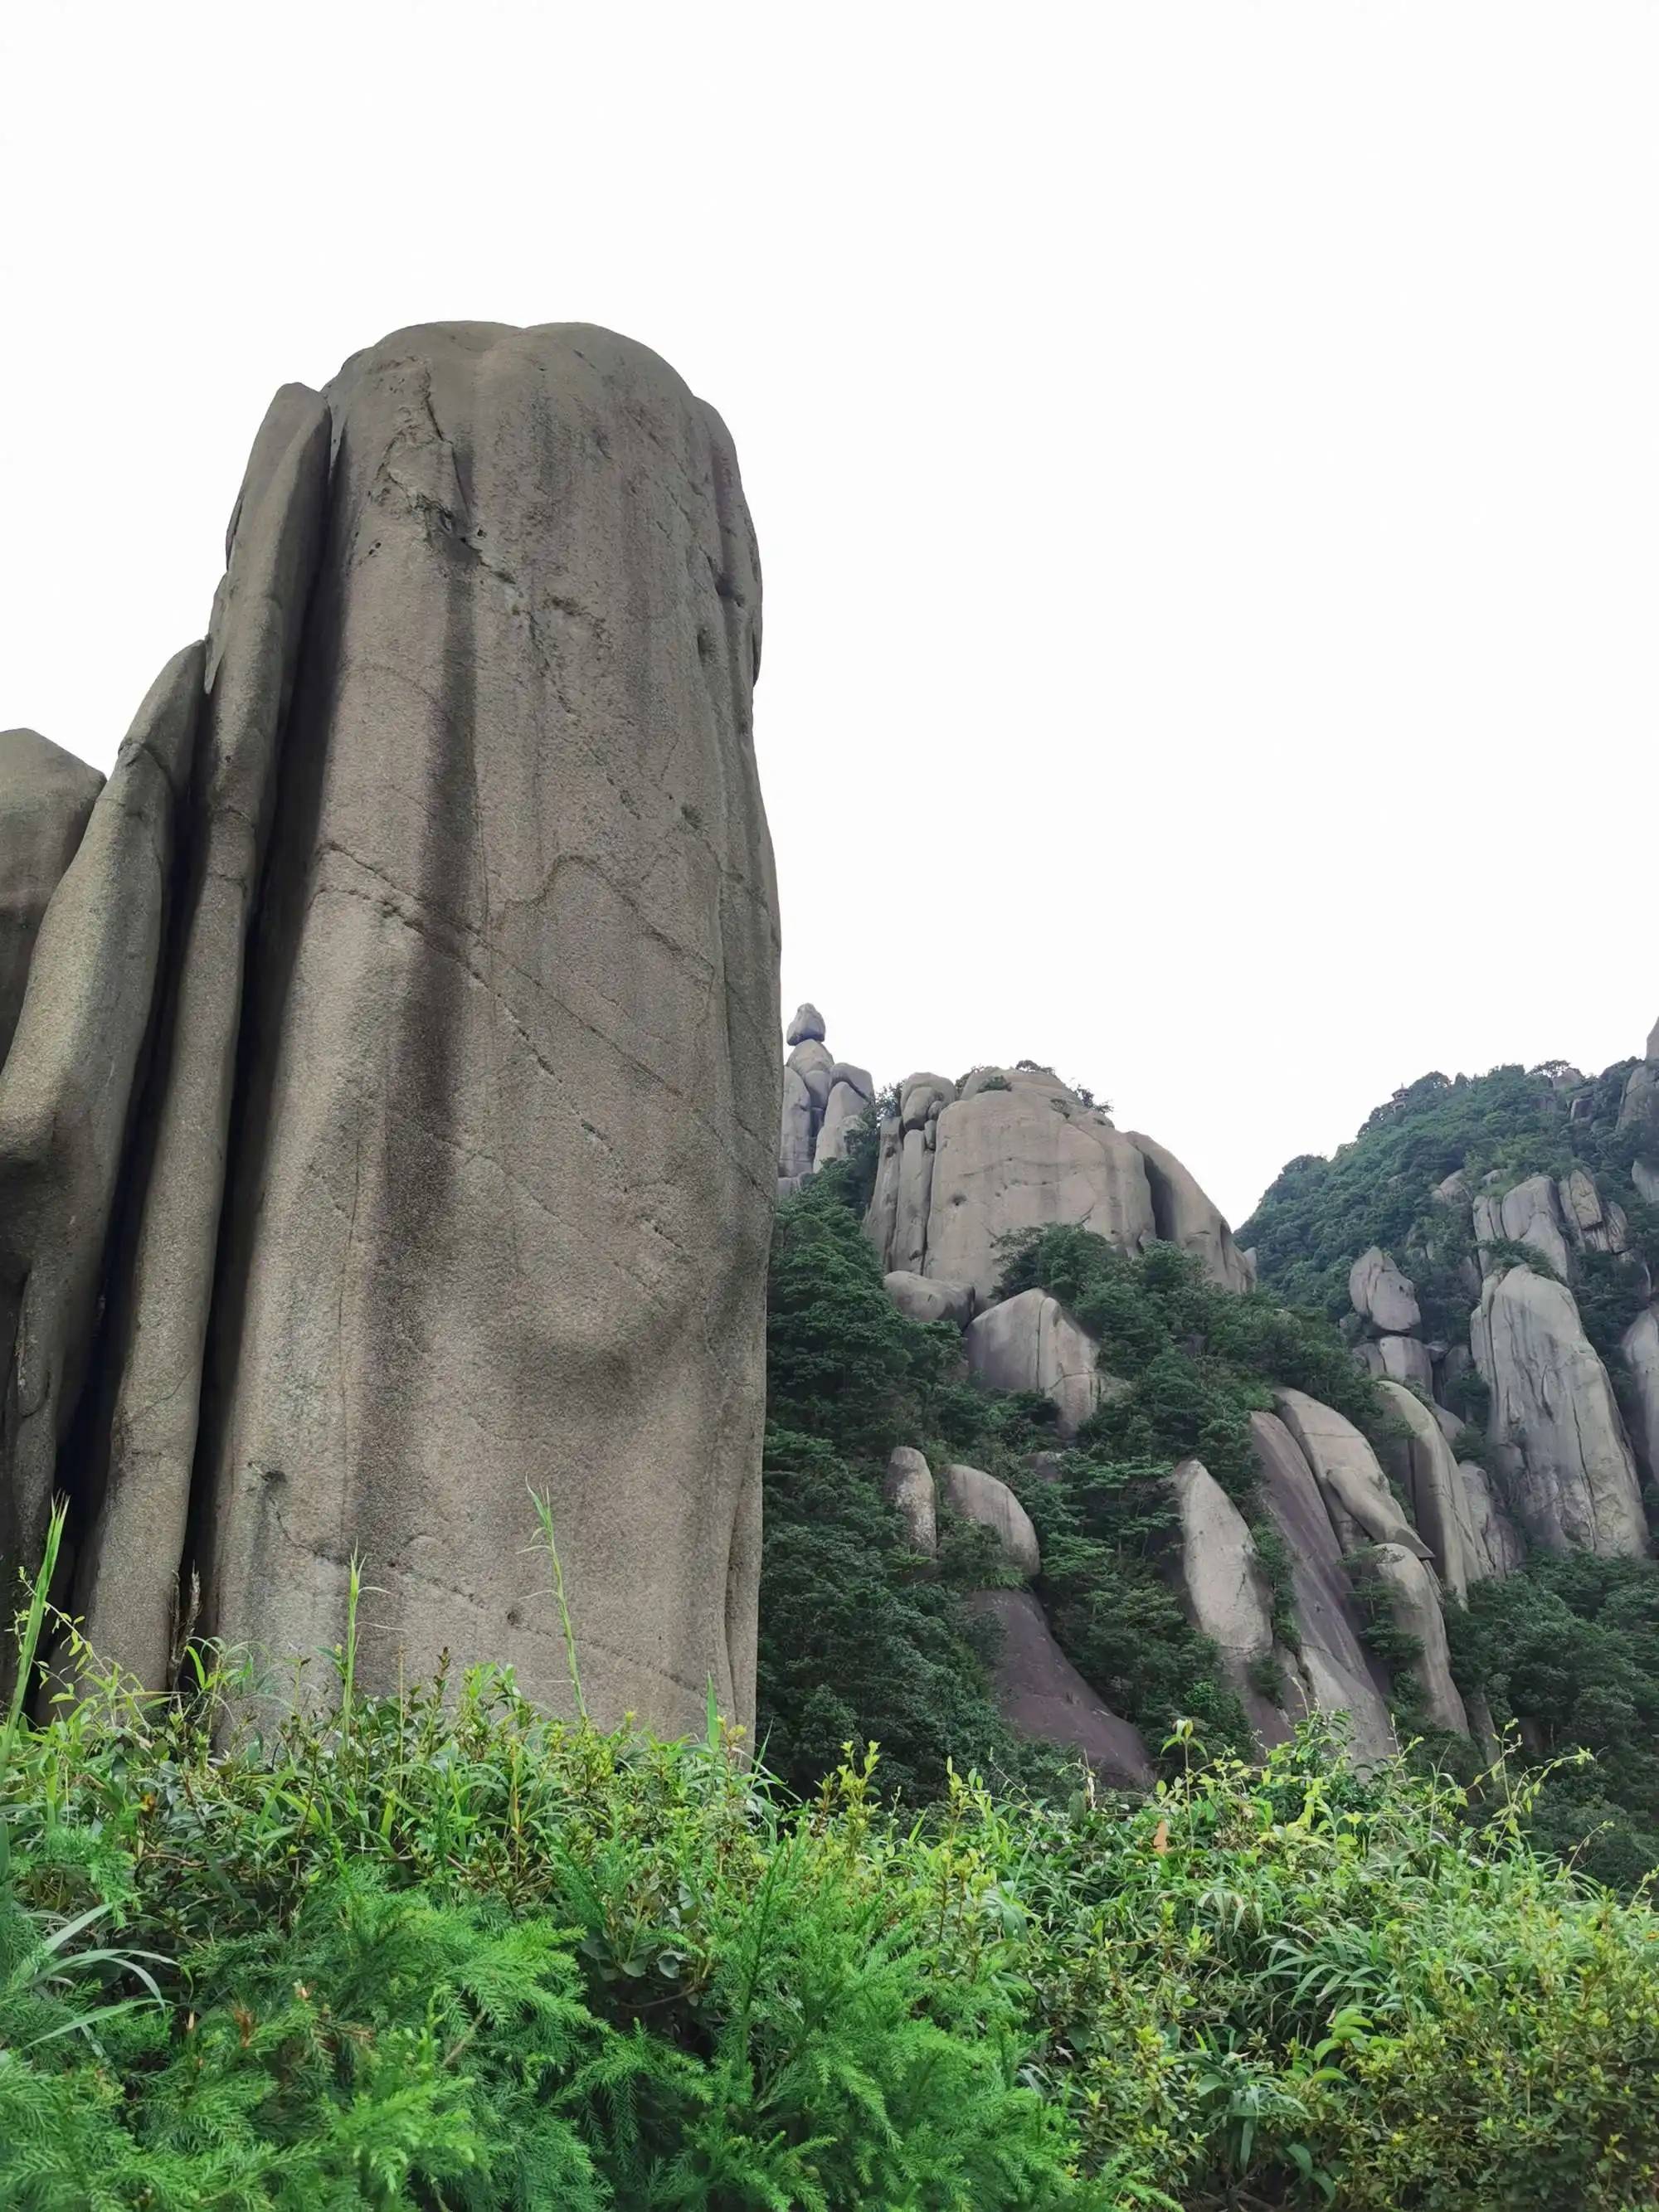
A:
[435,1951]
[1320,1214]
[439,1952]
[859,1639]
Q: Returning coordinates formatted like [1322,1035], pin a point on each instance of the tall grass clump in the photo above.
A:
[438,1950]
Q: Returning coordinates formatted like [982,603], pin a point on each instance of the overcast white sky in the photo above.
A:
[1205,460]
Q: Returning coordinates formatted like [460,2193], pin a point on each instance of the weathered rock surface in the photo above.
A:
[880,1222]
[45,796]
[1531,1214]
[66,1089]
[796,1138]
[1019,1159]
[1031,1343]
[1337,1671]
[806,1025]
[1384,1296]
[1019,1150]
[1554,1422]
[1183,1215]
[1225,1592]
[813,1063]
[1362,1507]
[1413,1602]
[928,1298]
[1041,1694]
[844,1108]
[1593,1223]
[922,1097]
[457,1157]
[1423,1465]
[1639,1348]
[908,1489]
[908,1253]
[982,1498]
[1401,1359]
[1498,1547]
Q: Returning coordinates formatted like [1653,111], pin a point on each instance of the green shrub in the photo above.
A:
[435,1950]
[438,1950]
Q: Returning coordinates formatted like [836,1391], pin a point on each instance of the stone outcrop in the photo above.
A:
[1554,1423]
[1413,1604]
[1381,1295]
[441,903]
[849,1100]
[908,1489]
[66,1093]
[1423,1465]
[1041,1694]
[45,796]
[1226,1594]
[823,1099]
[1529,1213]
[1362,1507]
[1183,1215]
[1557,1219]
[1639,1349]
[1400,1358]
[1018,1151]
[929,1298]
[1031,1343]
[1638,1109]
[984,1498]
[1496,1546]
[1336,1672]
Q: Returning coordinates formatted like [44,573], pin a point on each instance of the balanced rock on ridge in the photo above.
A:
[823,1099]
[477,869]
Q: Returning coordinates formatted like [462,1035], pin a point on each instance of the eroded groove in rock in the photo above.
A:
[453,1172]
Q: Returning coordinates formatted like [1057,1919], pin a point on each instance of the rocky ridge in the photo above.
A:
[1400,1532]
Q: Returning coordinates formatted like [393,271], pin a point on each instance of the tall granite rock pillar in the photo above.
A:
[449,1168]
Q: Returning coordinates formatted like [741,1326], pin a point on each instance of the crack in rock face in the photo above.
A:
[416,1129]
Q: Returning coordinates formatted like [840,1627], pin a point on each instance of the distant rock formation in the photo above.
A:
[1335,1671]
[1227,1596]
[1018,1149]
[822,1099]
[1639,1111]
[1041,1694]
[1030,1342]
[1555,1423]
[389,1121]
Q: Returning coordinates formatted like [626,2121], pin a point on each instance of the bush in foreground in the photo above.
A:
[440,1951]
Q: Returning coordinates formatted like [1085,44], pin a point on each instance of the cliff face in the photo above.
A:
[388,1126]
[1508,1432]
[963,1172]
